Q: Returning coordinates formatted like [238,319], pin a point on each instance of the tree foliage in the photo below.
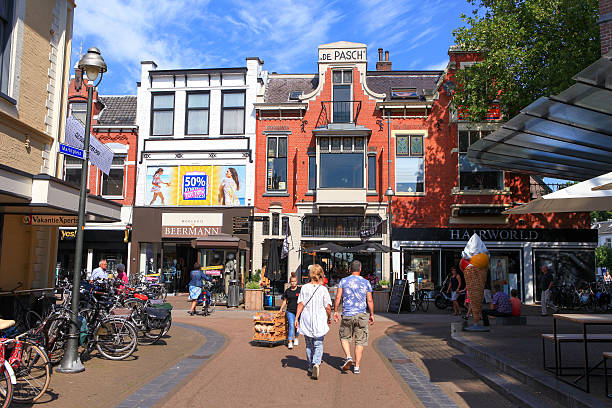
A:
[603,256]
[531,48]
[601,215]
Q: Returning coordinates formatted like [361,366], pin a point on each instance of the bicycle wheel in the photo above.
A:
[212,306]
[163,292]
[424,304]
[167,328]
[32,319]
[56,337]
[115,339]
[33,374]
[6,389]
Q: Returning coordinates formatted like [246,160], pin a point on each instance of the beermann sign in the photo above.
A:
[191,225]
[51,220]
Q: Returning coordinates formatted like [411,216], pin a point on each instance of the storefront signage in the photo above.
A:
[51,220]
[67,235]
[343,55]
[196,185]
[495,234]
[191,225]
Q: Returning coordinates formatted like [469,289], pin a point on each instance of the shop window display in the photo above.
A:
[568,267]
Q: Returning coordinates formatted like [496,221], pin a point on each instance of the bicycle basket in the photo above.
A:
[165,305]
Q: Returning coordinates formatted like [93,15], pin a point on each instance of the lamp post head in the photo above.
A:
[92,64]
[389,192]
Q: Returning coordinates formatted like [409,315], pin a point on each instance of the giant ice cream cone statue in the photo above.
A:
[476,256]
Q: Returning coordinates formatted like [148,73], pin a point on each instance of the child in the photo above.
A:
[515,302]
[468,305]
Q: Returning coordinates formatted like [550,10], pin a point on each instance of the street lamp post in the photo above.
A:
[92,64]
[389,193]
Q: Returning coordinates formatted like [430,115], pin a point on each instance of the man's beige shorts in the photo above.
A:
[355,327]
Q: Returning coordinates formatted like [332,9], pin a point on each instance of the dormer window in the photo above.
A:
[404,93]
[295,95]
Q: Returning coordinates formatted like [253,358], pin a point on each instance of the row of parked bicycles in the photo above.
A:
[587,297]
[113,320]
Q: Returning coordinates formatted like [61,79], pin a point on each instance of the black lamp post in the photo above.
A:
[92,64]
[389,193]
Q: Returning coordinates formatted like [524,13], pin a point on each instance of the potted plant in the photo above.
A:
[384,284]
[253,293]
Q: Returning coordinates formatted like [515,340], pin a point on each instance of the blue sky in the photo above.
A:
[284,33]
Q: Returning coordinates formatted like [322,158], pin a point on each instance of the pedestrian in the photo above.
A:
[195,286]
[356,295]
[290,300]
[515,302]
[99,274]
[468,312]
[546,284]
[122,277]
[607,277]
[313,318]
[500,306]
[454,286]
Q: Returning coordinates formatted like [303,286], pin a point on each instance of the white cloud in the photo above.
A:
[438,65]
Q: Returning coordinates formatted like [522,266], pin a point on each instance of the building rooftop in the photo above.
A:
[279,89]
[118,110]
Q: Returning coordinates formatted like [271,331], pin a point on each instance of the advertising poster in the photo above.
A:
[229,185]
[161,185]
[195,185]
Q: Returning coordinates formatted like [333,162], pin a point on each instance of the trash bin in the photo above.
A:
[233,293]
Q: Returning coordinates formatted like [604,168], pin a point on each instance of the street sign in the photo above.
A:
[71,151]
[255,218]
[99,154]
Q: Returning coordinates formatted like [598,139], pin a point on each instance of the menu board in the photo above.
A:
[397,295]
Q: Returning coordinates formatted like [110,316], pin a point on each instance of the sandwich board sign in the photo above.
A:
[99,154]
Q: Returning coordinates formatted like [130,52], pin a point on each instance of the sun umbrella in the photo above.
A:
[369,247]
[273,270]
[576,198]
[326,247]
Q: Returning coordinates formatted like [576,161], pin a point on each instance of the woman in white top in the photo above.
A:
[228,188]
[314,309]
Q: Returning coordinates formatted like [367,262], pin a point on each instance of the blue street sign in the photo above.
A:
[71,151]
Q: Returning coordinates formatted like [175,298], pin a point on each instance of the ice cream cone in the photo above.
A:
[475,279]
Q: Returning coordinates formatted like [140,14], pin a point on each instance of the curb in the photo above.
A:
[150,394]
[549,386]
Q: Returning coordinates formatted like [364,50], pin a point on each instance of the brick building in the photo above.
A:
[35,41]
[323,170]
[114,124]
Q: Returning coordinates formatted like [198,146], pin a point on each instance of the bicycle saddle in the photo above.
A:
[140,296]
[5,324]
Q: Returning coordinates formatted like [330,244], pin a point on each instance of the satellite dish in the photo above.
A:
[449,87]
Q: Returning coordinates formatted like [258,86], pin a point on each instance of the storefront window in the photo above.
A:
[568,267]
[150,257]
[420,266]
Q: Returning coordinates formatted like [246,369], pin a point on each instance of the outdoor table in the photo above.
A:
[585,320]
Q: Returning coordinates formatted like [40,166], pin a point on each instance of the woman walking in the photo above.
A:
[156,186]
[195,286]
[313,318]
[290,299]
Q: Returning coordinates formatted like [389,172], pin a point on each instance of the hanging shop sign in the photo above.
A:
[191,225]
[51,220]
[196,185]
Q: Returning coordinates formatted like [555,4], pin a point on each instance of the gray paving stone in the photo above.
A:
[149,394]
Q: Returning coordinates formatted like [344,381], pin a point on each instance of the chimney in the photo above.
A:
[383,65]
[605,25]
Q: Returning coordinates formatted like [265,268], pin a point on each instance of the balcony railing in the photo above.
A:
[339,112]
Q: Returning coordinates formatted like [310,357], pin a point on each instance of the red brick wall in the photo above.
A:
[433,210]
[125,137]
[605,29]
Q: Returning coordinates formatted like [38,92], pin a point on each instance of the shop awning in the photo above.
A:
[219,241]
[576,198]
[24,194]
[567,136]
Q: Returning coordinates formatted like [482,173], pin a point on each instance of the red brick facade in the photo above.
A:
[605,25]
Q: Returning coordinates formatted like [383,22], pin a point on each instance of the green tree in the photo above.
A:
[603,256]
[531,48]
[601,216]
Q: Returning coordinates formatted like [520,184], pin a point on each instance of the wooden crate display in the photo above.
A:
[270,327]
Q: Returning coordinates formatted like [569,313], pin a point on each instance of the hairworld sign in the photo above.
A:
[495,234]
